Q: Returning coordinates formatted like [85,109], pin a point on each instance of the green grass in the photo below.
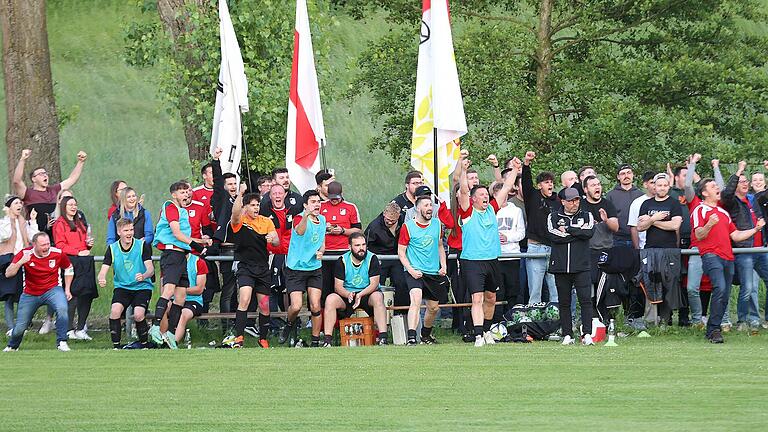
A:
[673,382]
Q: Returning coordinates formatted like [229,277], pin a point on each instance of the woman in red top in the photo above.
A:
[70,232]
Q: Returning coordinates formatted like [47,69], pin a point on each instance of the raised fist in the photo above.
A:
[25,154]
[491,159]
[529,156]
[715,163]
[695,158]
[217,153]
[82,156]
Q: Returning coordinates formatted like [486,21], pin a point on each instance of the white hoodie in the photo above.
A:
[512,226]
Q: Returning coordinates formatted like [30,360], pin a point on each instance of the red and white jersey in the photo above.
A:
[204,195]
[345,215]
[43,273]
[718,241]
[198,218]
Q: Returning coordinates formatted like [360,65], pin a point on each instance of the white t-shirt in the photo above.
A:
[634,215]
[512,225]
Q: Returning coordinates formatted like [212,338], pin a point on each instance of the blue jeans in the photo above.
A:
[720,272]
[695,272]
[536,269]
[748,306]
[28,305]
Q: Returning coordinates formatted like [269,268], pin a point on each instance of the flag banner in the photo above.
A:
[438,106]
[306,132]
[231,97]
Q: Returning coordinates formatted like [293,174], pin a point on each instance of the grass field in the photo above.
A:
[673,382]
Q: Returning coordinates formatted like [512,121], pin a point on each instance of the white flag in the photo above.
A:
[438,102]
[306,132]
[231,97]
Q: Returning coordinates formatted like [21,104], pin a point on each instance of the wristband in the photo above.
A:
[343,230]
[197,247]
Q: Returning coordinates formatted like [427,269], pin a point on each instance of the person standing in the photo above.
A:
[570,230]
[538,205]
[281,177]
[407,199]
[43,266]
[714,231]
[381,239]
[41,196]
[421,252]
[342,220]
[131,261]
[72,236]
[511,232]
[251,233]
[15,235]
[115,188]
[622,196]
[129,207]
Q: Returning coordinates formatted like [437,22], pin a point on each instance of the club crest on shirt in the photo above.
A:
[128,266]
[192,213]
[315,237]
[357,280]
[343,212]
[289,218]
[427,241]
[52,263]
[292,201]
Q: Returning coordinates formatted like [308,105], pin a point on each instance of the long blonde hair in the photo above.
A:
[122,203]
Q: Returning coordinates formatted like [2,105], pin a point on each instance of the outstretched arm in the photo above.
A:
[18,174]
[74,176]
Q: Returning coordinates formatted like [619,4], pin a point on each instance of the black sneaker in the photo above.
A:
[716,337]
[314,344]
[412,342]
[284,335]
[468,338]
[428,340]
[381,341]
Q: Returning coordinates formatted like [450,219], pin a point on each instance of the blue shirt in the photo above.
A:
[480,236]
[423,247]
[303,248]
[163,233]
[192,274]
[126,264]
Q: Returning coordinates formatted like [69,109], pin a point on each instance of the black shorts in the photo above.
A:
[433,287]
[278,273]
[135,298]
[348,312]
[298,280]
[212,280]
[479,276]
[173,268]
[257,277]
[195,307]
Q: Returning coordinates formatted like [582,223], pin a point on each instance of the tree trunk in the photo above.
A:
[30,105]
[174,17]
[544,67]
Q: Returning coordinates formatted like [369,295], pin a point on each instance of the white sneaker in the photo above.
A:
[72,335]
[47,326]
[567,340]
[9,349]
[479,341]
[63,346]
[83,335]
[704,320]
[9,332]
[488,337]
[587,340]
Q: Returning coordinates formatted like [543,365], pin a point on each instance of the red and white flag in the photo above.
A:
[306,132]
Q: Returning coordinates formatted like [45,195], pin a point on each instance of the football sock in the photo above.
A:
[487,325]
[426,331]
[264,325]
[162,304]
[241,317]
[411,334]
[174,314]
[478,330]
[114,332]
[142,330]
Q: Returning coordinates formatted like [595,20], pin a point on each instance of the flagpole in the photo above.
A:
[322,154]
[247,161]
[435,168]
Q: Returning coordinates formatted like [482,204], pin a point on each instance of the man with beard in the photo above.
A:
[323,178]
[661,217]
[41,197]
[302,267]
[538,205]
[421,252]
[341,220]
[622,196]
[356,286]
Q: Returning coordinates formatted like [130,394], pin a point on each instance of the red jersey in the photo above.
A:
[198,218]
[345,215]
[171,215]
[718,241]
[43,273]
[203,195]
[68,241]
[281,227]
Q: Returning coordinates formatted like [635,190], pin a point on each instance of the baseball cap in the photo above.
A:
[622,167]
[571,194]
[422,191]
[334,190]
[660,176]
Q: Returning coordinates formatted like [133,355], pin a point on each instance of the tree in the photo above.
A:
[32,121]
[190,67]
[586,82]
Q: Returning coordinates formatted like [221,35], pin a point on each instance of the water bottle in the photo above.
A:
[188,339]
[88,233]
[611,333]
[525,332]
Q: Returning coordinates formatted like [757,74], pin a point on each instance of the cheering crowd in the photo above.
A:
[619,250]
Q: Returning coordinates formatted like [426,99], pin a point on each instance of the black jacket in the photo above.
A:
[380,239]
[570,249]
[740,212]
[537,208]
[221,202]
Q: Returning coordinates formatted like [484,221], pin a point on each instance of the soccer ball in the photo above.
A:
[499,331]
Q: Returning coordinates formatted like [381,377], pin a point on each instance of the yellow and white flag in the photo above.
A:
[439,107]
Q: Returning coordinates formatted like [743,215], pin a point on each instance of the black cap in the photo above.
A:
[334,190]
[571,194]
[423,191]
[622,167]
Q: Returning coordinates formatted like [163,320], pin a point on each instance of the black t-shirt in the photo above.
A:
[604,204]
[657,237]
[146,253]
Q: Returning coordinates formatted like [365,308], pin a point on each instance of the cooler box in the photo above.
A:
[598,330]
